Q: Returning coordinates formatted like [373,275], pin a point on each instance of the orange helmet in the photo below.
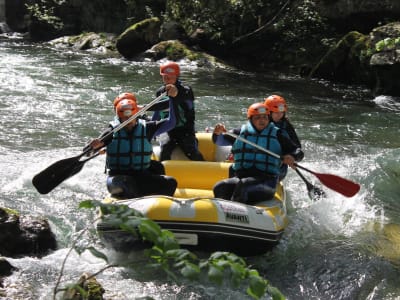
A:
[124,96]
[257,109]
[126,108]
[276,103]
[170,68]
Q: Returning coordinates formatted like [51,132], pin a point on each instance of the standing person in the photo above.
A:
[129,152]
[278,109]
[256,172]
[183,134]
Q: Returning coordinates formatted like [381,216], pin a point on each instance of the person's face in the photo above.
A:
[277,116]
[130,124]
[260,121]
[169,79]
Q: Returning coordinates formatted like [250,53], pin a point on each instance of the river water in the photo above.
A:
[54,100]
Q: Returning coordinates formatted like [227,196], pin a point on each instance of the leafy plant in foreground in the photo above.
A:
[167,255]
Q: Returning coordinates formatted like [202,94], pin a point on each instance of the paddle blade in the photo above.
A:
[49,178]
[315,193]
[341,185]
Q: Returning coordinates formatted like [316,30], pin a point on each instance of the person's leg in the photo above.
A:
[156,167]
[151,184]
[166,150]
[189,145]
[231,171]
[224,189]
[122,186]
[253,190]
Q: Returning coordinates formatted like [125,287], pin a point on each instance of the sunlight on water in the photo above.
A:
[387,102]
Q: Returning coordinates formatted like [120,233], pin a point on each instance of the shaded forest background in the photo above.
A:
[331,39]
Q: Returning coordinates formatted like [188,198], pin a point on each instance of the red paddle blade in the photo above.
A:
[339,184]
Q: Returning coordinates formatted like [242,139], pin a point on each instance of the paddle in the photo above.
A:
[52,176]
[338,184]
[313,192]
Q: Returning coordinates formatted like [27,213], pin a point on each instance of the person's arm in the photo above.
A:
[104,139]
[290,151]
[155,128]
[174,91]
[292,133]
[221,139]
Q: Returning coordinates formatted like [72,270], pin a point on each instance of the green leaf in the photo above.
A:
[190,271]
[275,293]
[257,287]
[87,204]
[215,275]
[149,230]
[222,264]
[170,244]
[238,273]
[98,254]
[234,258]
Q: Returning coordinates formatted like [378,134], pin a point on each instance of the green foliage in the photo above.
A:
[302,21]
[10,211]
[387,44]
[44,11]
[221,20]
[166,254]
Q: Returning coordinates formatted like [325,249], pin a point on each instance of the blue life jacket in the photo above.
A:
[246,156]
[129,150]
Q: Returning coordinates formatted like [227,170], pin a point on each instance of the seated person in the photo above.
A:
[256,173]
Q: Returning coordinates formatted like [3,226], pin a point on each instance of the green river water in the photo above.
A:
[55,100]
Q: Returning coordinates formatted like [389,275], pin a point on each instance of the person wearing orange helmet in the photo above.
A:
[183,134]
[123,96]
[132,97]
[277,106]
[256,173]
[129,150]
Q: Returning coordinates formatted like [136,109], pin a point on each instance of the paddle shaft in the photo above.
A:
[309,184]
[252,144]
[131,118]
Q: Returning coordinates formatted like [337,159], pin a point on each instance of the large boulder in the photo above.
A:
[95,42]
[386,61]
[6,268]
[372,60]
[24,235]
[344,62]
[139,37]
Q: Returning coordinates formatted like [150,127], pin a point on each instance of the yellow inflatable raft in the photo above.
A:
[200,221]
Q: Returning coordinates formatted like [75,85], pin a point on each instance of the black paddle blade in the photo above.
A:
[315,193]
[53,175]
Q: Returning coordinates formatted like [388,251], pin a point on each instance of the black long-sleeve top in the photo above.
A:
[184,101]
